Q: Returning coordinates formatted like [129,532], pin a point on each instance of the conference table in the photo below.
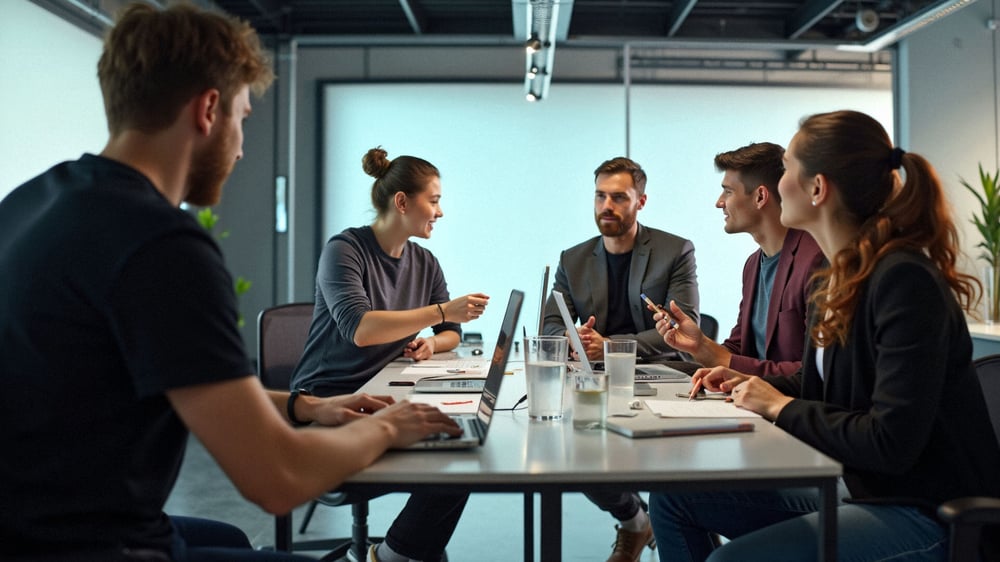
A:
[550,458]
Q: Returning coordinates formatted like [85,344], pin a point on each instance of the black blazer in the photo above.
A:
[900,405]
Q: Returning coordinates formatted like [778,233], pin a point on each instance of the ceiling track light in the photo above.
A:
[533,44]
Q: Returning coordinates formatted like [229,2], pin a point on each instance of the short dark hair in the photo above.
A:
[155,61]
[624,165]
[758,163]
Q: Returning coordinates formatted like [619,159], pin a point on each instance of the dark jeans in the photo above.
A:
[425,525]
[621,505]
[204,540]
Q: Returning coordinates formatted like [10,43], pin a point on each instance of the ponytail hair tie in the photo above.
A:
[896,158]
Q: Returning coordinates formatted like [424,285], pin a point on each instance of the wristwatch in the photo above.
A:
[291,406]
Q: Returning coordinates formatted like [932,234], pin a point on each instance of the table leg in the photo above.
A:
[828,521]
[529,527]
[551,523]
[283,533]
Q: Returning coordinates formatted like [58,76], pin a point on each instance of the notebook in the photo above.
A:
[651,426]
[475,426]
[644,373]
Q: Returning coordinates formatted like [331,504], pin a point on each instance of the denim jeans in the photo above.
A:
[783,525]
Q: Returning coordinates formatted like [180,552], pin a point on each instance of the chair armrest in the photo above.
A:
[970,511]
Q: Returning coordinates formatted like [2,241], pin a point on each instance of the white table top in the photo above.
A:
[985,331]
[520,451]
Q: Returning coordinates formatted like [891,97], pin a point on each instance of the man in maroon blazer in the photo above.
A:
[769,335]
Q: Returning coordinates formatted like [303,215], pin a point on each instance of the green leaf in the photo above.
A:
[987,222]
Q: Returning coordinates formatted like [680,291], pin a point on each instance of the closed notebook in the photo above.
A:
[652,426]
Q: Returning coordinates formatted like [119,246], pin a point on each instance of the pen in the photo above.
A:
[456,403]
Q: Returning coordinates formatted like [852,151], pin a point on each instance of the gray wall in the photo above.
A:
[947,105]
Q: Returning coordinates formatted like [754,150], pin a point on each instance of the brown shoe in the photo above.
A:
[628,546]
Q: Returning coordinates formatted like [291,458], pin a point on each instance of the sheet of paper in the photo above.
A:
[697,409]
[461,367]
[448,403]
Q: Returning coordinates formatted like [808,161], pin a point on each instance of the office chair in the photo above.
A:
[709,326]
[967,517]
[281,336]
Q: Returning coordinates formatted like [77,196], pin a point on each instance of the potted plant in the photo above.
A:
[208,219]
[988,224]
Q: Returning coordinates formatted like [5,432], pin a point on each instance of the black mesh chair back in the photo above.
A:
[975,521]
[709,326]
[281,337]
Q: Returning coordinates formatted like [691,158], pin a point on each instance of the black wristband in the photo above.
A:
[291,406]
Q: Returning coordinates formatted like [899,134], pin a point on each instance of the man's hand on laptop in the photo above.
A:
[338,410]
[415,421]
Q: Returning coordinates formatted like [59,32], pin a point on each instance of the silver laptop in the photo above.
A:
[643,373]
[464,375]
[655,426]
[475,426]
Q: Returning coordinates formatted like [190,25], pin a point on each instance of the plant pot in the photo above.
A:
[991,294]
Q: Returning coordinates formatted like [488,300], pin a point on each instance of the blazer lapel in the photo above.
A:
[637,272]
[598,282]
[784,271]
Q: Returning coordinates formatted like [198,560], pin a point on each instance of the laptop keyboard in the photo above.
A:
[477,384]
[469,425]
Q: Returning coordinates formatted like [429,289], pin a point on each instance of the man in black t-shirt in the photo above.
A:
[118,323]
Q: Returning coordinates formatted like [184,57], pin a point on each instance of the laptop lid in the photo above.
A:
[655,426]
[541,300]
[498,364]
[491,388]
[574,336]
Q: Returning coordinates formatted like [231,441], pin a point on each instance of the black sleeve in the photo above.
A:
[174,313]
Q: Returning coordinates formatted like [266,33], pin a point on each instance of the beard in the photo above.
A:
[613,229]
[209,171]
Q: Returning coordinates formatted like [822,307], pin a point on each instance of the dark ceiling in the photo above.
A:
[812,22]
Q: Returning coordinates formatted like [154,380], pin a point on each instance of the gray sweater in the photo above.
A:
[356,276]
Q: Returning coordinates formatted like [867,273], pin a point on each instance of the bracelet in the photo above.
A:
[441,310]
[291,406]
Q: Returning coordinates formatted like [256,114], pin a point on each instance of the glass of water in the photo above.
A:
[590,400]
[619,364]
[545,369]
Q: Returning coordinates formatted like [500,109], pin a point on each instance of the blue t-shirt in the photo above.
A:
[762,301]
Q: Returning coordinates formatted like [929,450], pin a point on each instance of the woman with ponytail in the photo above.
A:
[375,291]
[887,385]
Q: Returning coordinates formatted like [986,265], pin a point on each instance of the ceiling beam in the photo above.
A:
[271,10]
[807,16]
[415,15]
[678,15]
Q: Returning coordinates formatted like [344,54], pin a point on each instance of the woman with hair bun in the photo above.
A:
[375,291]
[887,385]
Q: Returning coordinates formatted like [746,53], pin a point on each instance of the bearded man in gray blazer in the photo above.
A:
[602,279]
